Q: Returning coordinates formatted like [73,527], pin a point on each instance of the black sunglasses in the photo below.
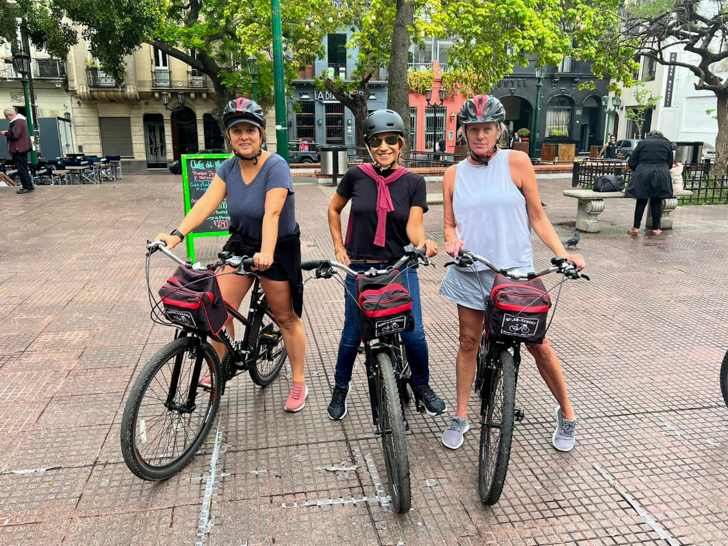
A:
[376,142]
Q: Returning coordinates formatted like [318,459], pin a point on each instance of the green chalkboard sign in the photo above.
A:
[197,174]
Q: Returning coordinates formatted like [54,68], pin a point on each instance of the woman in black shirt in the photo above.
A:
[387,207]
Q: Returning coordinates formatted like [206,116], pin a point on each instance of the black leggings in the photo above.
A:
[639,210]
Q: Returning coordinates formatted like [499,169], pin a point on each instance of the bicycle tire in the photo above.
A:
[724,378]
[394,444]
[270,352]
[496,432]
[154,379]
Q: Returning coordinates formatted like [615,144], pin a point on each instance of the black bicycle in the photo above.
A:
[724,378]
[388,374]
[169,410]
[495,381]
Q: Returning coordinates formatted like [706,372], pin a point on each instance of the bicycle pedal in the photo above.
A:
[519,415]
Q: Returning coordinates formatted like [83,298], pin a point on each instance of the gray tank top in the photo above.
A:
[490,214]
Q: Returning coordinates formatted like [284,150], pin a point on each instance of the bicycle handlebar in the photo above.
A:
[226,258]
[560,265]
[325,268]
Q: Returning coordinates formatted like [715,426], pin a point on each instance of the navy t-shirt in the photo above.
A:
[246,202]
[409,191]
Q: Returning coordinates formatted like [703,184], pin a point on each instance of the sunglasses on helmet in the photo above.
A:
[376,142]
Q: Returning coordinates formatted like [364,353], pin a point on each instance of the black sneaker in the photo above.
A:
[337,408]
[434,405]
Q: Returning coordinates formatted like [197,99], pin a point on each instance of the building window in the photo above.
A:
[434,126]
[413,128]
[335,123]
[337,55]
[305,121]
[116,136]
[558,117]
[648,70]
[443,54]
[566,64]
[420,56]
[160,59]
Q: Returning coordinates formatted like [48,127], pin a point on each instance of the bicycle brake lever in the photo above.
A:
[584,276]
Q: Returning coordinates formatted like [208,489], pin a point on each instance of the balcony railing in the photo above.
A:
[420,67]
[98,78]
[160,78]
[196,79]
[337,70]
[47,68]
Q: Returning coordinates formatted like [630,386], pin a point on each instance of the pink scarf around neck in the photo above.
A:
[384,200]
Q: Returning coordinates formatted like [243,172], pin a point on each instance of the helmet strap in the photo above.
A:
[485,158]
[254,158]
[377,165]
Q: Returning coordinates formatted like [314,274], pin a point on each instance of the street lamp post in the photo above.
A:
[616,102]
[21,64]
[279,82]
[540,73]
[254,72]
[436,106]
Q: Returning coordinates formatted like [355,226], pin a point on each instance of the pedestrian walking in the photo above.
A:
[651,162]
[491,202]
[19,144]
[609,150]
[388,203]
[261,204]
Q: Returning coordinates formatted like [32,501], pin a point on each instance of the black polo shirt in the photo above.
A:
[409,191]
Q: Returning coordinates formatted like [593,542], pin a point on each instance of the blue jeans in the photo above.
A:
[415,344]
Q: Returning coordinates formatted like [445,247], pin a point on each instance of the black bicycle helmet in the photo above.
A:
[243,110]
[481,109]
[383,121]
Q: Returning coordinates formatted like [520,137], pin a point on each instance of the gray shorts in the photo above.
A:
[468,288]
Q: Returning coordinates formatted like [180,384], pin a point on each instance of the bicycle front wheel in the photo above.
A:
[724,379]
[496,432]
[270,352]
[391,424]
[166,418]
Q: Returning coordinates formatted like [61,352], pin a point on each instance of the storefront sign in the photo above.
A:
[670,81]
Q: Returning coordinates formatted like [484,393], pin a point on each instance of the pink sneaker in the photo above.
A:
[297,399]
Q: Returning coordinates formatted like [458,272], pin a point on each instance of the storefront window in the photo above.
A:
[558,117]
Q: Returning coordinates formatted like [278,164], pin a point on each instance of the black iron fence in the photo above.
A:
[707,186]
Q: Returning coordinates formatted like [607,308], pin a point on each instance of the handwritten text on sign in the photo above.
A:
[200,173]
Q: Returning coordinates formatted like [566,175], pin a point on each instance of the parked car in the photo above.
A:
[708,152]
[176,167]
[625,147]
[303,151]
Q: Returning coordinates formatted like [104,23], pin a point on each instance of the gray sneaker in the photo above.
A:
[453,435]
[564,438]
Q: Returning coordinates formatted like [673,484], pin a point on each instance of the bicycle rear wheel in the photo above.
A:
[496,433]
[162,427]
[391,423]
[270,352]
[724,379]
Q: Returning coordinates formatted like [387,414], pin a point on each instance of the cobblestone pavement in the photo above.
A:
[641,345]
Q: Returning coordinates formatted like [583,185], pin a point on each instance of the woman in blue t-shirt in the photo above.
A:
[261,205]
[387,207]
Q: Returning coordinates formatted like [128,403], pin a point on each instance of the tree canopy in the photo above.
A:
[697,33]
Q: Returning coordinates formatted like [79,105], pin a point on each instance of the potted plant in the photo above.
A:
[524,134]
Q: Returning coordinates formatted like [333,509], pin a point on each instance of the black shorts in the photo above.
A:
[237,246]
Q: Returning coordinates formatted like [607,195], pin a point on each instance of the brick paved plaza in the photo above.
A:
[641,346]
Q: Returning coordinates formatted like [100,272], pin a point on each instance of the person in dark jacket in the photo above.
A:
[19,144]
[651,162]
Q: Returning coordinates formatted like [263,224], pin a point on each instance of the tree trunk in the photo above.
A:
[356,101]
[398,93]
[223,95]
[721,141]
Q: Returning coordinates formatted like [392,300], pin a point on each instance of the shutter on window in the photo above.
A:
[116,136]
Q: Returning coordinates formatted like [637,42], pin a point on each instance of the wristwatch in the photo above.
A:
[178,233]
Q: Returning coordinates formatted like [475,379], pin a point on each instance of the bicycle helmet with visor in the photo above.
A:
[482,109]
[382,121]
[242,110]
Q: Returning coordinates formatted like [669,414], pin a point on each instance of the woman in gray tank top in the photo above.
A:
[491,202]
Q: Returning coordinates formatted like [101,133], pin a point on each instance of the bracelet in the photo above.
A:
[340,248]
[178,233]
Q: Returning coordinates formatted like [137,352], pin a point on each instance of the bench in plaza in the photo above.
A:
[591,205]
